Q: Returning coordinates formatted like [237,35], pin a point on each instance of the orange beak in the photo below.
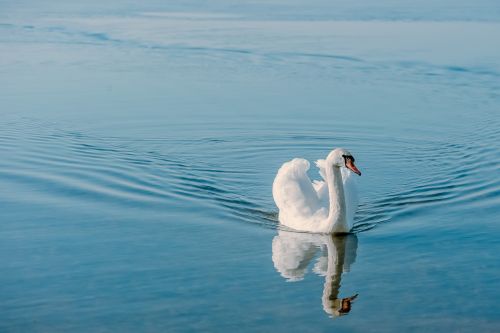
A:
[350,164]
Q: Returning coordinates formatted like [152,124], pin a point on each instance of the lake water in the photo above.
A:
[139,142]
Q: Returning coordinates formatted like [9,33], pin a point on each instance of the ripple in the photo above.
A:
[70,167]
[464,186]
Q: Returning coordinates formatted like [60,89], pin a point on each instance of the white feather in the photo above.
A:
[304,205]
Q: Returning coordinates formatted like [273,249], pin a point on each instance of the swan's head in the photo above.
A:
[342,158]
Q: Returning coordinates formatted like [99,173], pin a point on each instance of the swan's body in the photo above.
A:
[326,206]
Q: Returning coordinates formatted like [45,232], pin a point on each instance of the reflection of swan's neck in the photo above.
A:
[336,221]
[336,256]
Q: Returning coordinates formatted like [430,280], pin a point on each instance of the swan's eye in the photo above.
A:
[348,157]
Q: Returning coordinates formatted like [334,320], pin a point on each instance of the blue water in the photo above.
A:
[139,142]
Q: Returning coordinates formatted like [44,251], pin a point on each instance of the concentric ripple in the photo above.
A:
[53,166]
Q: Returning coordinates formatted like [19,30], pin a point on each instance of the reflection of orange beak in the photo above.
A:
[350,164]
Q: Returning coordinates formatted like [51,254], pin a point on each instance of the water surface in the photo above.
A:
[138,145]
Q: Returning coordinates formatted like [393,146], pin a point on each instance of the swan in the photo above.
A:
[326,206]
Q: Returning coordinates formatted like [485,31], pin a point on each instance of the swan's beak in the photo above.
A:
[350,164]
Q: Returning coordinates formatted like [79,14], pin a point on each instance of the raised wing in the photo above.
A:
[293,191]
[320,185]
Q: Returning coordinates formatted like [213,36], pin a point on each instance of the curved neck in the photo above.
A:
[337,219]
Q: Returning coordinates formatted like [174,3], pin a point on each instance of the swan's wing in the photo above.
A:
[351,193]
[321,164]
[293,191]
[320,185]
[321,191]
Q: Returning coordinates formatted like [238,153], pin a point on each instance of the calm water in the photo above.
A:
[138,145]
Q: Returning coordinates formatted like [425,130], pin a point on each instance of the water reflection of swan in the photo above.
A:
[323,206]
[292,253]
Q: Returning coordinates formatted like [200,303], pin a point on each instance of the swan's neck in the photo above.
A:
[337,219]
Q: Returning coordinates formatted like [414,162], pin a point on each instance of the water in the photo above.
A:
[138,145]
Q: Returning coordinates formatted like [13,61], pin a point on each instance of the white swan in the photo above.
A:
[323,206]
